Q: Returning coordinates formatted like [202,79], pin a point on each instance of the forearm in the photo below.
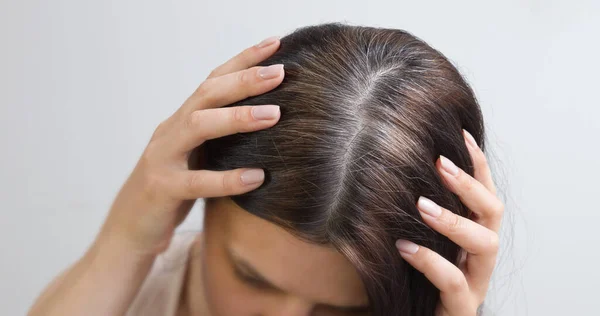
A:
[103,282]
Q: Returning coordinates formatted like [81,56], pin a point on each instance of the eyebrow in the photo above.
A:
[240,264]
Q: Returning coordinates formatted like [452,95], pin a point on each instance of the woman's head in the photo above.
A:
[365,112]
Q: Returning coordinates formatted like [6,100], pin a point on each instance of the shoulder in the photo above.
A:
[159,294]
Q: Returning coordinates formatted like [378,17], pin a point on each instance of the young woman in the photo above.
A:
[352,185]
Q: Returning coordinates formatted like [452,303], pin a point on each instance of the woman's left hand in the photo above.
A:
[463,288]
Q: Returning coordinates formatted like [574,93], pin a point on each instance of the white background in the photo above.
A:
[83,84]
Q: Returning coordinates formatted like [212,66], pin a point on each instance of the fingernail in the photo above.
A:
[265,112]
[267,42]
[429,207]
[253,176]
[270,72]
[406,246]
[449,166]
[470,138]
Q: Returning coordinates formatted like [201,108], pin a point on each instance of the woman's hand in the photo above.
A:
[462,289]
[161,189]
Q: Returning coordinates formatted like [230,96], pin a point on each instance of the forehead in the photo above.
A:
[315,272]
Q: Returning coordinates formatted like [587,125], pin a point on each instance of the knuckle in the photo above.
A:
[203,87]
[241,77]
[196,117]
[498,208]
[468,183]
[454,222]
[242,114]
[213,73]
[193,120]
[203,95]
[152,149]
[244,77]
[494,242]
[429,260]
[193,183]
[152,184]
[457,282]
[227,183]
[239,114]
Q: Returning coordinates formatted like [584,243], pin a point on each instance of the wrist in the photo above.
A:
[111,275]
[110,251]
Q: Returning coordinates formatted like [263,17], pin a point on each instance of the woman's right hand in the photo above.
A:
[161,189]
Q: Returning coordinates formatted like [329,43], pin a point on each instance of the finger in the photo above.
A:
[481,243]
[208,124]
[454,289]
[195,184]
[474,238]
[232,87]
[248,57]
[245,59]
[482,172]
[472,193]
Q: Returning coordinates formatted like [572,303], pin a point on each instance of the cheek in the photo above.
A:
[225,294]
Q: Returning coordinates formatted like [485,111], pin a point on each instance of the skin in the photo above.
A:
[161,190]
[463,288]
[310,273]
[245,265]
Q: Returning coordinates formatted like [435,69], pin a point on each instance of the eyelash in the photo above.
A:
[250,280]
[257,284]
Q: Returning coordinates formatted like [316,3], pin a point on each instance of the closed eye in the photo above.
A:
[251,280]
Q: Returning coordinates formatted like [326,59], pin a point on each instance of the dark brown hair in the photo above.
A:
[365,113]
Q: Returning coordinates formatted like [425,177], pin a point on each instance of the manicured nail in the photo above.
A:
[267,42]
[253,176]
[429,207]
[470,138]
[270,72]
[265,112]
[449,166]
[406,246]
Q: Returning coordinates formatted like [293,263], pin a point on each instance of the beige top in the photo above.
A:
[160,292]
